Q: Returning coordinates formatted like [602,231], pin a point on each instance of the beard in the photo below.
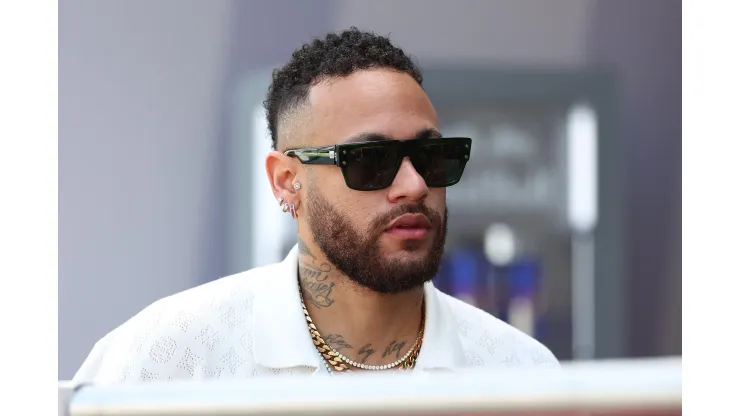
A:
[359,255]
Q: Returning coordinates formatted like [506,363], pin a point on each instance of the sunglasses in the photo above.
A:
[373,165]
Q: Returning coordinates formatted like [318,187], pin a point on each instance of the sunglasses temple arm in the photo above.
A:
[320,156]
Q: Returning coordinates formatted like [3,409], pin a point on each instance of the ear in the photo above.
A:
[282,174]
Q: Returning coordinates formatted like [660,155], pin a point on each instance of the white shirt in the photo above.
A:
[251,324]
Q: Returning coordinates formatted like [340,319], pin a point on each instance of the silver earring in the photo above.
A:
[285,207]
[280,201]
[296,186]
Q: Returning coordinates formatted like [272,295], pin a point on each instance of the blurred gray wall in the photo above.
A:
[478,32]
[143,117]
[642,41]
[139,91]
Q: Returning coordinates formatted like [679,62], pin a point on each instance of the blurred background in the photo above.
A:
[566,224]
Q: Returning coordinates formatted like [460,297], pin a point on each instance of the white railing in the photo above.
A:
[636,387]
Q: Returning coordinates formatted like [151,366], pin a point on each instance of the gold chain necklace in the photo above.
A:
[338,362]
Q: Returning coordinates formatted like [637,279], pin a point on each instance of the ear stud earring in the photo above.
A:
[296,186]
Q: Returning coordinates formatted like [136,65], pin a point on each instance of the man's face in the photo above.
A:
[354,228]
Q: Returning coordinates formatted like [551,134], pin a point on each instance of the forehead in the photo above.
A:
[380,101]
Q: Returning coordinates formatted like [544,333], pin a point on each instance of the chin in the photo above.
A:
[404,248]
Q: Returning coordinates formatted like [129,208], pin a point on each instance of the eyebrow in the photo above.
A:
[374,137]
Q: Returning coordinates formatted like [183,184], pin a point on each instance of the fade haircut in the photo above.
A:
[337,55]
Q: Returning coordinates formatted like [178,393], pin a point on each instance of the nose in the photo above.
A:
[408,184]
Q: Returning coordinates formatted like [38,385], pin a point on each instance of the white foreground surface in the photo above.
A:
[640,386]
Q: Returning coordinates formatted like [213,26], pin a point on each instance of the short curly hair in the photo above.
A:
[337,55]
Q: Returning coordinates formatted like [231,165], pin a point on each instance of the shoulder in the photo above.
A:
[184,335]
[491,342]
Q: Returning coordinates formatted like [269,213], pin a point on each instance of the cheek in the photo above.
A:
[437,199]
[361,208]
[328,179]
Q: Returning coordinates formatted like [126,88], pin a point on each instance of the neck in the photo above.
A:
[367,327]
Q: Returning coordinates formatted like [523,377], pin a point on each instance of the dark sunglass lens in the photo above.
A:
[370,167]
[440,164]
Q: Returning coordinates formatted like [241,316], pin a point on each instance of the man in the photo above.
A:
[361,165]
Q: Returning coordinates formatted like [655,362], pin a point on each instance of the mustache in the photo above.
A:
[380,222]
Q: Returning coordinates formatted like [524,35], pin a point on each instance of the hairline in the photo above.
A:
[299,104]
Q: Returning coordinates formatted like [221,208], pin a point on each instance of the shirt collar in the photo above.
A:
[441,348]
[281,337]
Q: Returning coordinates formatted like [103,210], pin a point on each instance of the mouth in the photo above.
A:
[409,227]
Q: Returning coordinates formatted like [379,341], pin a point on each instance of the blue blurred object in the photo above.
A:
[464,275]
[523,278]
[510,292]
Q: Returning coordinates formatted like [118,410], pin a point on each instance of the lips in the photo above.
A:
[409,226]
[410,221]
